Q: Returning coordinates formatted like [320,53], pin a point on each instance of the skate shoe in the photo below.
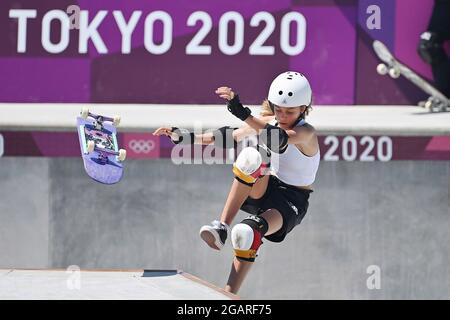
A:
[215,234]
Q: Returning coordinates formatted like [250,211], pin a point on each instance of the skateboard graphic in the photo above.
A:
[99,148]
[436,102]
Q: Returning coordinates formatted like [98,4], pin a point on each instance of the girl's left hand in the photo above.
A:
[166,131]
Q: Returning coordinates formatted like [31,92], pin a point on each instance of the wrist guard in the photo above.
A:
[184,136]
[237,109]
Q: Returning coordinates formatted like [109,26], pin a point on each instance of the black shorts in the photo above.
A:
[290,201]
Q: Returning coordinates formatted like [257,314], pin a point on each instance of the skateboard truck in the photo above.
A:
[85,113]
[103,153]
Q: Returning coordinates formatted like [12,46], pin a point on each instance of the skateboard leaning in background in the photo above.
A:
[99,148]
[436,102]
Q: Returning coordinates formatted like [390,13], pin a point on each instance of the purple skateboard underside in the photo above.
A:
[107,173]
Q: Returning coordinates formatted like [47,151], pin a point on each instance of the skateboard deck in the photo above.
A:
[103,161]
[437,101]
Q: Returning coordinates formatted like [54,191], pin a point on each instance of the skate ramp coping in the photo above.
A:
[353,119]
[75,284]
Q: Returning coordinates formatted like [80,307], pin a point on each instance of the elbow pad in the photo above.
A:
[275,138]
[223,138]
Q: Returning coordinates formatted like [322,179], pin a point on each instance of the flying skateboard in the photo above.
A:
[436,102]
[99,148]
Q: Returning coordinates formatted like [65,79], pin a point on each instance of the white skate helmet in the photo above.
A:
[290,89]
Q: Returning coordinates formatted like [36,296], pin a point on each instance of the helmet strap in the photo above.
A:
[272,107]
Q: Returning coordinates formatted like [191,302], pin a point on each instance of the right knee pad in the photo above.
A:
[431,49]
[248,166]
[246,237]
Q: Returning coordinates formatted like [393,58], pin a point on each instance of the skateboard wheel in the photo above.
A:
[394,73]
[84,112]
[122,154]
[382,69]
[429,105]
[116,121]
[90,146]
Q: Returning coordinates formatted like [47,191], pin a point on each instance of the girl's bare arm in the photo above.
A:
[247,130]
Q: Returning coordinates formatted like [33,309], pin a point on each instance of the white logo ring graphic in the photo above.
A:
[141,145]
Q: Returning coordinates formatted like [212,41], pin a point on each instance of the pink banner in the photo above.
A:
[146,146]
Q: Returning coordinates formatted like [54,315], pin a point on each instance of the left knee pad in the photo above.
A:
[246,237]
[247,167]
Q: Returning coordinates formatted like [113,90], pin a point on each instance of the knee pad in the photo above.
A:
[246,237]
[248,166]
[431,49]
